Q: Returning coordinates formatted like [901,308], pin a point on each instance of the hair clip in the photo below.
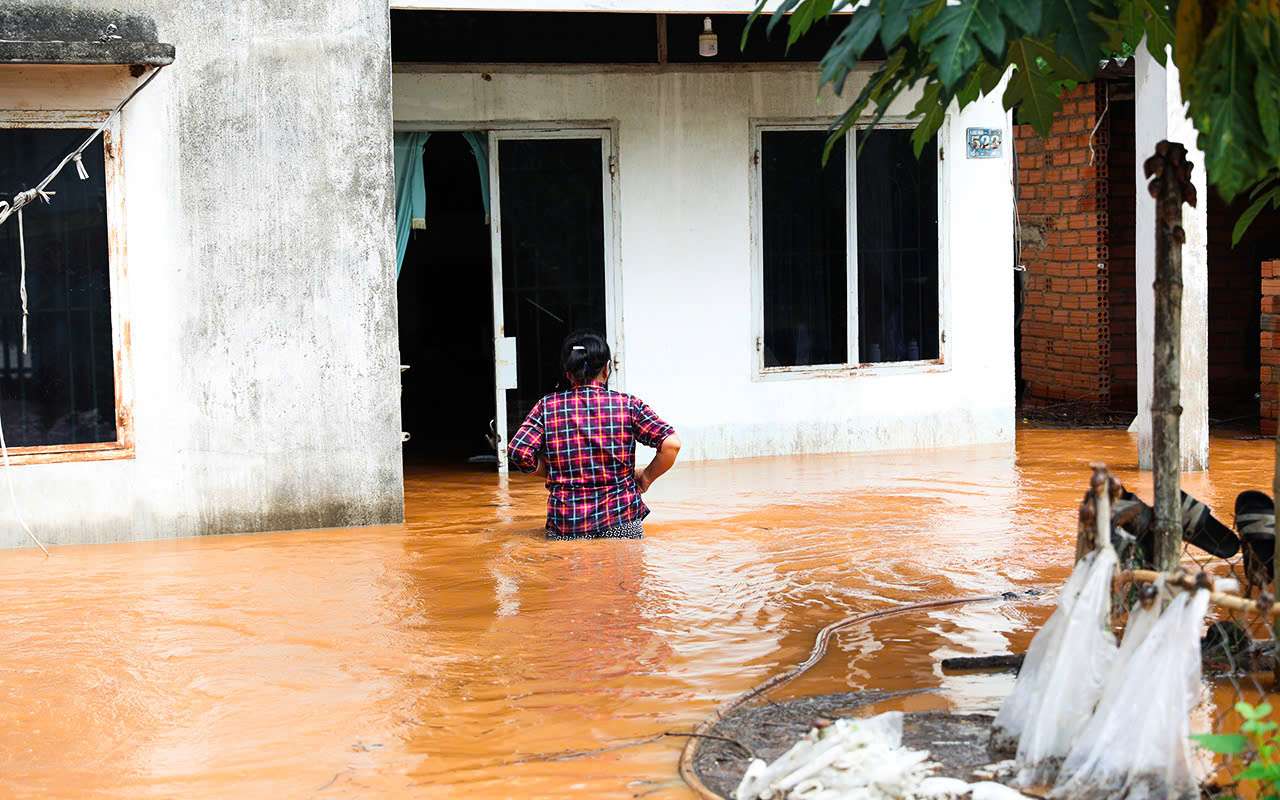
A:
[578,347]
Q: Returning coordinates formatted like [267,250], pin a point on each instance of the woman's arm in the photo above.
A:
[665,458]
[525,447]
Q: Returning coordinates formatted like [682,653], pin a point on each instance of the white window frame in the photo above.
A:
[851,367]
[113,160]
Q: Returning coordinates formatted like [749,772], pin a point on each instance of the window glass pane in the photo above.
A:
[62,391]
[803,227]
[897,248]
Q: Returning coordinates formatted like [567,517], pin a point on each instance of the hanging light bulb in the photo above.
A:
[708,44]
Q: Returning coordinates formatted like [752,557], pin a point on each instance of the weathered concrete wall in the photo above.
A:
[684,209]
[261,272]
[1160,114]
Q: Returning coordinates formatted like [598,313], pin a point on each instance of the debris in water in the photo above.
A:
[858,760]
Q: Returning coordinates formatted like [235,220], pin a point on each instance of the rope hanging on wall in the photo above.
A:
[6,211]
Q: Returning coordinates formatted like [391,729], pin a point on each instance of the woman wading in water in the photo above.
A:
[583,441]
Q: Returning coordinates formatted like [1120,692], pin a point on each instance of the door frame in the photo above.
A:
[497,130]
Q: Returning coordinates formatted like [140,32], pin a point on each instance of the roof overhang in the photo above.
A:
[625,6]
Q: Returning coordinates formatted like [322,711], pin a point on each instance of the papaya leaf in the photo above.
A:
[849,46]
[1227,744]
[1188,40]
[928,127]
[989,77]
[957,34]
[1078,35]
[1024,14]
[1223,107]
[972,90]
[1266,87]
[924,19]
[804,17]
[1152,18]
[780,13]
[897,19]
[1034,89]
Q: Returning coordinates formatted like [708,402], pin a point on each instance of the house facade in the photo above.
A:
[217,320]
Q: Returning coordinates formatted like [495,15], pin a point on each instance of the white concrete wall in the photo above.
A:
[261,273]
[1162,115]
[685,216]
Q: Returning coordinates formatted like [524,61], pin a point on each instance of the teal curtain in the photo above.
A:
[411,188]
[479,142]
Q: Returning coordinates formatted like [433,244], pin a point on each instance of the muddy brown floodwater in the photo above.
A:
[461,655]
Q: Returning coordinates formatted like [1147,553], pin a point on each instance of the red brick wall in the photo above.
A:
[1270,345]
[1122,210]
[1062,208]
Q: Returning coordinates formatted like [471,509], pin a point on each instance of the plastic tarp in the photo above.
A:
[1137,746]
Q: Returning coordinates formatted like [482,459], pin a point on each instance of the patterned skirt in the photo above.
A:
[627,530]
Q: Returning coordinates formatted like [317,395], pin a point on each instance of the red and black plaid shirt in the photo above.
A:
[588,437]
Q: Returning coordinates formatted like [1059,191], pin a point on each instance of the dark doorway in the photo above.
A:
[553,276]
[446,314]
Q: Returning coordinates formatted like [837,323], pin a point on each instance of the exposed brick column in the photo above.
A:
[1062,207]
[1270,344]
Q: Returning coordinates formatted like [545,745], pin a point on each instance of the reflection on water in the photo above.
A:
[461,653]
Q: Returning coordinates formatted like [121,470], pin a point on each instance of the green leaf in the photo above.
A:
[1024,14]
[1227,744]
[933,108]
[1077,33]
[1252,712]
[848,47]
[1187,40]
[779,14]
[972,89]
[989,77]
[1222,107]
[1246,219]
[1158,27]
[1257,727]
[1266,86]
[927,128]
[807,13]
[1031,88]
[751,19]
[1260,772]
[955,36]
[897,19]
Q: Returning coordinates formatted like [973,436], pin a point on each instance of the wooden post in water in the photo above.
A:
[1170,186]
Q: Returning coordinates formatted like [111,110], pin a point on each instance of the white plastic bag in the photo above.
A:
[1044,648]
[1073,679]
[1137,745]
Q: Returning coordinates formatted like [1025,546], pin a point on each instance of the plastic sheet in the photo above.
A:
[1044,653]
[858,760]
[1137,745]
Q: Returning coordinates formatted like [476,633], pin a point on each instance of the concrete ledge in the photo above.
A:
[151,54]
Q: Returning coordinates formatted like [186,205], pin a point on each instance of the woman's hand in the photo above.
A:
[643,482]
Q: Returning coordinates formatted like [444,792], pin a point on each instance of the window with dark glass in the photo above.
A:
[805,268]
[804,224]
[897,226]
[62,390]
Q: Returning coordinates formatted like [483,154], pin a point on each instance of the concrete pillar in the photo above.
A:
[1160,114]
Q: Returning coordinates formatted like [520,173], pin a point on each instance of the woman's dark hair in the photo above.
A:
[583,354]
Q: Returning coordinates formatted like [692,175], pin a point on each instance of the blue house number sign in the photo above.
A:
[984,142]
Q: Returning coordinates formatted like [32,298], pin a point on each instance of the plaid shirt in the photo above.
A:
[588,437]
